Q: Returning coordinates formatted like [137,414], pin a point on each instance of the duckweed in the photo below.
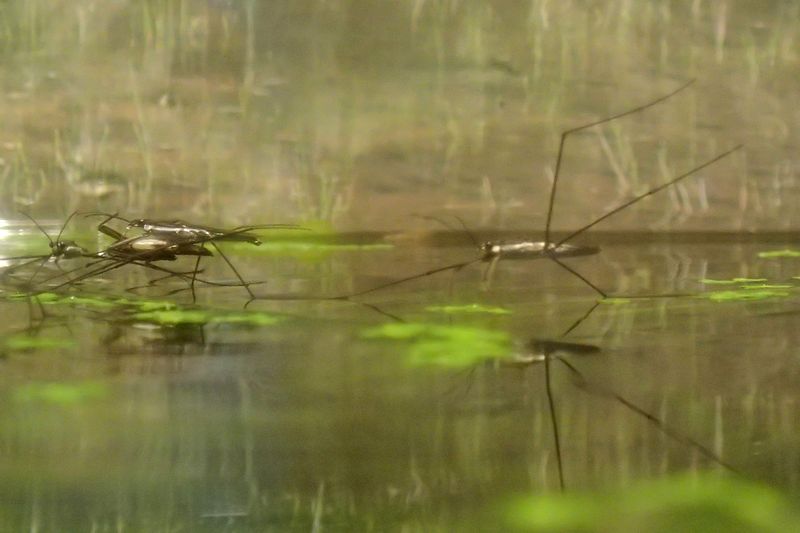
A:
[444,346]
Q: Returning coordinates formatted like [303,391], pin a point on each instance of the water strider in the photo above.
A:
[166,241]
[141,250]
[555,250]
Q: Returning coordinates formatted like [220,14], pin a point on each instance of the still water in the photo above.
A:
[208,426]
[423,406]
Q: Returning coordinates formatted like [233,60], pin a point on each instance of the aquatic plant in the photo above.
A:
[61,393]
[733,281]
[687,502]
[447,346]
[174,317]
[745,294]
[468,309]
[774,254]
[31,342]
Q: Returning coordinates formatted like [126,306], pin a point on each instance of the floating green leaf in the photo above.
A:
[615,301]
[174,317]
[450,346]
[766,286]
[28,342]
[304,248]
[733,281]
[61,393]
[744,294]
[685,503]
[778,253]
[468,309]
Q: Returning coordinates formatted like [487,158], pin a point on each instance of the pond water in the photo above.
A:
[324,416]
[429,404]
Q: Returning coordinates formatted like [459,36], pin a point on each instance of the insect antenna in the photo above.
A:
[642,196]
[47,236]
[64,226]
[451,228]
[568,132]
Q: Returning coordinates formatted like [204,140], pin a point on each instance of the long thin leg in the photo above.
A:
[554,420]
[580,320]
[576,274]
[194,278]
[645,195]
[662,426]
[456,267]
[565,134]
[233,268]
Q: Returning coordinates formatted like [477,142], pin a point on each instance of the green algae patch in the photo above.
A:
[745,295]
[468,309]
[773,254]
[734,281]
[177,316]
[615,301]
[61,393]
[762,286]
[96,302]
[444,346]
[315,240]
[27,342]
[689,502]
[303,248]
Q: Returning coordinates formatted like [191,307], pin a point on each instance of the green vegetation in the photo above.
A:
[468,309]
[704,503]
[174,317]
[734,281]
[745,294]
[448,346]
[61,393]
[29,342]
[774,254]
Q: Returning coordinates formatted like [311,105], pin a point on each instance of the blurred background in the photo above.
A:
[361,113]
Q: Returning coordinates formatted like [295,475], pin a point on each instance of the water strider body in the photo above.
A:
[166,240]
[492,250]
[183,230]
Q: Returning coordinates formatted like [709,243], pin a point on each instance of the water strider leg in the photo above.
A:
[233,268]
[570,131]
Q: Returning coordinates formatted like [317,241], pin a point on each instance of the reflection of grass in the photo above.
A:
[685,503]
[450,346]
